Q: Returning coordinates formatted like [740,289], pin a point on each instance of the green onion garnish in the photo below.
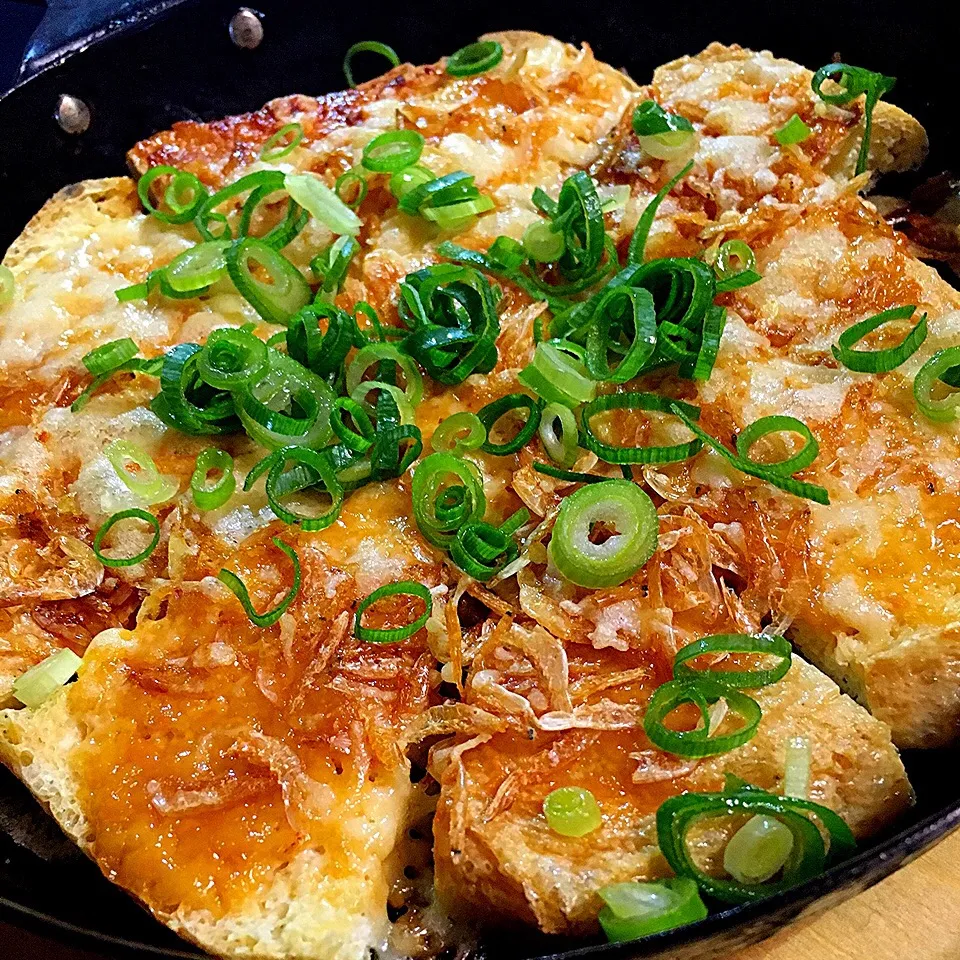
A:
[284,141]
[207,495]
[314,195]
[793,131]
[766,645]
[109,356]
[43,679]
[543,242]
[144,480]
[934,373]
[287,404]
[269,180]
[491,414]
[624,323]
[381,353]
[367,46]
[763,427]
[458,433]
[195,269]
[796,768]
[854,81]
[559,434]
[634,910]
[475,58]
[8,286]
[277,296]
[558,375]
[666,136]
[612,453]
[403,181]
[677,815]
[183,197]
[133,514]
[359,440]
[572,811]
[405,588]
[702,693]
[604,533]
[351,187]
[447,492]
[319,351]
[313,471]
[880,361]
[758,850]
[735,266]
[638,242]
[810,491]
[185,402]
[231,358]
[482,550]
[452,313]
[392,151]
[239,589]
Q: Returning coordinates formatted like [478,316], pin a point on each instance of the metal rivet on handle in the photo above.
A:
[72,114]
[246,30]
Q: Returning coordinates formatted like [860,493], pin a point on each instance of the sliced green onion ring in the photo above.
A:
[458,433]
[475,58]
[410,178]
[548,470]
[763,427]
[198,267]
[345,184]
[935,371]
[638,242]
[393,151]
[132,514]
[624,320]
[277,300]
[110,356]
[765,644]
[144,480]
[543,242]
[379,353]
[281,143]
[408,588]
[634,910]
[312,469]
[758,850]
[810,491]
[360,440]
[885,360]
[638,454]
[447,492]
[491,414]
[323,203]
[231,358]
[559,434]
[210,496]
[701,692]
[239,589]
[367,46]
[678,815]
[181,183]
[558,375]
[572,811]
[630,520]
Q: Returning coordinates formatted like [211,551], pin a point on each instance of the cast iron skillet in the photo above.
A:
[174,60]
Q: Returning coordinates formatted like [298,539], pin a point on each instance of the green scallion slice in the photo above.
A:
[793,131]
[367,46]
[475,58]
[281,143]
[133,514]
[405,588]
[43,679]
[634,910]
[207,495]
[763,644]
[604,533]
[239,589]
[933,374]
[885,360]
[572,811]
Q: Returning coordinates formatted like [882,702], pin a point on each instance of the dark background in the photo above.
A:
[18,19]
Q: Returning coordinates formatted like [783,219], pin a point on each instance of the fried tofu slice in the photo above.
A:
[246,785]
[576,721]
[881,614]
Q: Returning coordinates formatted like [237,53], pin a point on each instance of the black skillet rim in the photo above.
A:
[717,932]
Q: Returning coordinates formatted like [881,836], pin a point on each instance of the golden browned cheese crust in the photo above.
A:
[260,797]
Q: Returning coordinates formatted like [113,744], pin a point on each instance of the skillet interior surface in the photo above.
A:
[152,70]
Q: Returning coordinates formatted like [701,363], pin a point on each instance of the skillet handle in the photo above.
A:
[70,25]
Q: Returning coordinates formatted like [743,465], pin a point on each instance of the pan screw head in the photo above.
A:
[72,114]
[246,30]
